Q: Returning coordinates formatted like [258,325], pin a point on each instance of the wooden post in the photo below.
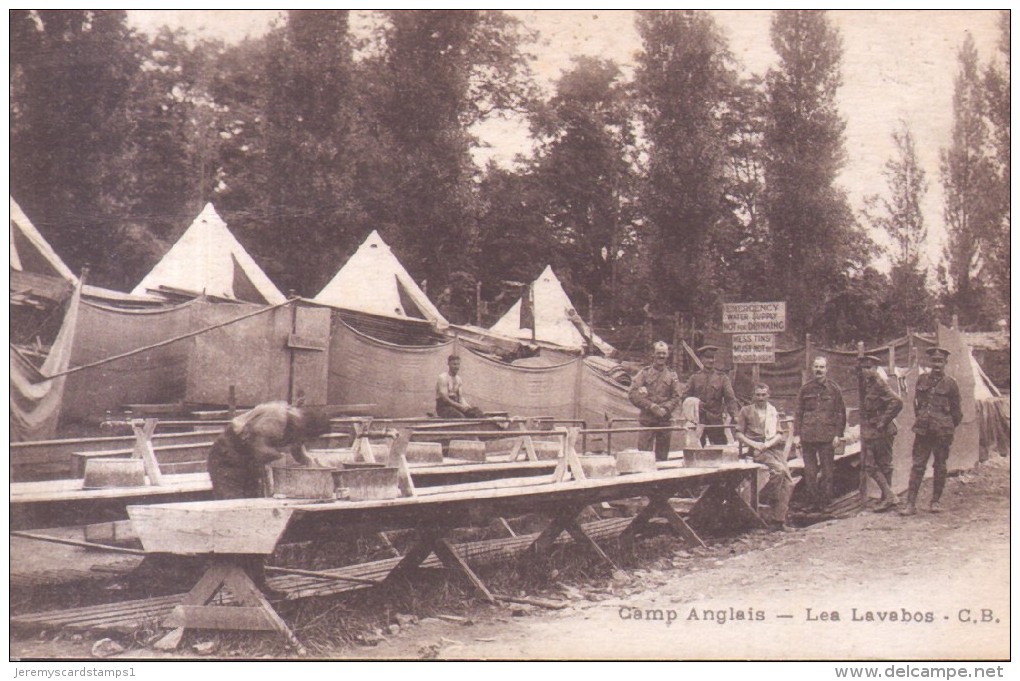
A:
[591,324]
[290,363]
[231,401]
[143,449]
[677,323]
[755,373]
[863,485]
[956,321]
[808,358]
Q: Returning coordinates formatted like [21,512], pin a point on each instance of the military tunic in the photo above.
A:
[715,392]
[655,387]
[878,430]
[937,413]
[819,418]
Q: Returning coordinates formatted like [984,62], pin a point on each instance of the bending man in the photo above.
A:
[252,440]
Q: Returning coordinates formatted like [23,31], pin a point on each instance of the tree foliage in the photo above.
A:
[684,85]
[971,212]
[815,241]
[997,93]
[71,75]
[671,191]
[585,168]
[909,301]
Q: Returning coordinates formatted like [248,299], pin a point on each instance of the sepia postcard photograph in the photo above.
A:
[510,335]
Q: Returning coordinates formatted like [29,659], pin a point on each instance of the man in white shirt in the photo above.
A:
[450,403]
[758,428]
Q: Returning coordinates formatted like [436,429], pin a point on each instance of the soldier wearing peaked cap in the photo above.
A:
[878,429]
[656,392]
[937,413]
[715,394]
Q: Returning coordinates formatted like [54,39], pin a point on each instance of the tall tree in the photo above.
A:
[972,211]
[584,165]
[684,83]
[440,73]
[514,236]
[745,249]
[312,212]
[909,301]
[997,82]
[71,72]
[815,240]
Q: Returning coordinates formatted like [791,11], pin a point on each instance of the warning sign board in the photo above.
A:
[754,348]
[754,317]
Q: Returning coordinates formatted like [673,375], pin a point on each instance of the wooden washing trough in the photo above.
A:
[711,457]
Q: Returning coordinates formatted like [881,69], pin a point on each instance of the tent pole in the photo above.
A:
[860,416]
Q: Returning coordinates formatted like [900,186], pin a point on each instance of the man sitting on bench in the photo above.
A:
[450,403]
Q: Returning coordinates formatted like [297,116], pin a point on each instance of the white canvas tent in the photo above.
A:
[556,320]
[208,259]
[31,253]
[374,281]
[38,272]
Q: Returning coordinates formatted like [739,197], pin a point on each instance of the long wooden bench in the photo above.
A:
[184,458]
[128,616]
[52,459]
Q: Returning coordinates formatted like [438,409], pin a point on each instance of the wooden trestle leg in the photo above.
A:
[431,541]
[252,611]
[566,521]
[723,503]
[658,507]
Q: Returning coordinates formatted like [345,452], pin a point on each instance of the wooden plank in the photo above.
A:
[296,342]
[583,539]
[205,527]
[143,450]
[229,617]
[106,617]
[45,491]
[98,612]
[452,560]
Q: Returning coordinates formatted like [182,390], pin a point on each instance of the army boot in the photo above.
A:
[911,507]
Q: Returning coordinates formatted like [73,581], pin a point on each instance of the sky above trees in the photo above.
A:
[897,65]
[667,180]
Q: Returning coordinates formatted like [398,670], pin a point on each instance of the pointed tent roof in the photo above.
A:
[209,259]
[374,281]
[553,317]
[30,252]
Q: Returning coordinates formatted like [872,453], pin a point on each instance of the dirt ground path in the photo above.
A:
[926,587]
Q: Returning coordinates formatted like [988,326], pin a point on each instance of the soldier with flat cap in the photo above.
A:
[715,394]
[656,392]
[937,413]
[878,429]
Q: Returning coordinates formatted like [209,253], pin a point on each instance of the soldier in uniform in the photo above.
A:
[656,392]
[878,430]
[715,393]
[819,421]
[937,413]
